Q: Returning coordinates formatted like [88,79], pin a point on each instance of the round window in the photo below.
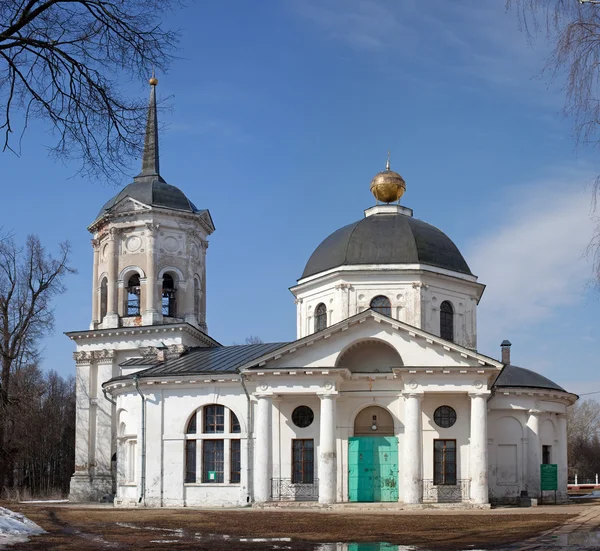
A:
[303,416]
[444,417]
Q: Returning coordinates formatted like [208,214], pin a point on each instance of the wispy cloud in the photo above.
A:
[477,40]
[533,259]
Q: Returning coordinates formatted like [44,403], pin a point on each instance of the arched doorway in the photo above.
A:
[373,457]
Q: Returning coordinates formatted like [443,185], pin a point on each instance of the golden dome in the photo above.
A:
[388,186]
[153,81]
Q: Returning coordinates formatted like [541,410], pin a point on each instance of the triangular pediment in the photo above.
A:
[415,347]
[127,204]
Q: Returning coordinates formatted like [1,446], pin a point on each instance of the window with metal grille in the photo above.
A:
[212,460]
[444,416]
[546,455]
[235,424]
[103,297]
[133,296]
[190,461]
[303,461]
[303,416]
[447,321]
[169,297]
[382,305]
[444,462]
[214,419]
[191,428]
[320,317]
[234,461]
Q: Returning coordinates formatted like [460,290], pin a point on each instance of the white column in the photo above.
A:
[150,315]
[413,448]
[534,453]
[95,286]
[478,448]
[298,303]
[112,316]
[327,450]
[563,467]
[262,455]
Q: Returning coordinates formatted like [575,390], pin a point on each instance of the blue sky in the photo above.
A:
[281,113]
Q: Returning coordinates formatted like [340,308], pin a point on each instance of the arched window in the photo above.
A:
[133,295]
[103,297]
[447,321]
[320,317]
[196,299]
[169,297]
[216,453]
[382,305]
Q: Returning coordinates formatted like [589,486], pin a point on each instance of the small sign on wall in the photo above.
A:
[212,476]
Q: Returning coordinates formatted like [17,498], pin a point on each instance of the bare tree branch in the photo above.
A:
[61,60]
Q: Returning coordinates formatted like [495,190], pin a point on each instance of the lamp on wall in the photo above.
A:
[374,425]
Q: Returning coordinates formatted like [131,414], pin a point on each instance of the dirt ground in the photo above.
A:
[73,528]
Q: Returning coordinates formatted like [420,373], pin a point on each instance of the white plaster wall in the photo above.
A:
[460,431]
[415,296]
[507,427]
[412,351]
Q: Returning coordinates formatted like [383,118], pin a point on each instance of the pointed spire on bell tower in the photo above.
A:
[150,159]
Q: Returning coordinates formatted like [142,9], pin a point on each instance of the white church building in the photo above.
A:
[383,395]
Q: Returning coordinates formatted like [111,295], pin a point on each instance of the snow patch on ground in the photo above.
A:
[15,528]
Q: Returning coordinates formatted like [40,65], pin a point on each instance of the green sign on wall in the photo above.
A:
[549,475]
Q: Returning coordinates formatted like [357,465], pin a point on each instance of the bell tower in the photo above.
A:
[150,246]
[148,299]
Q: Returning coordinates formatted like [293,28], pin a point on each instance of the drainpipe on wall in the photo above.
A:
[143,442]
[249,431]
[113,402]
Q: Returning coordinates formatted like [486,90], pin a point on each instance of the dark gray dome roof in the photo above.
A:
[386,239]
[152,191]
[513,376]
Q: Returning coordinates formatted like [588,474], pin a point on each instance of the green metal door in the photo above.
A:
[373,468]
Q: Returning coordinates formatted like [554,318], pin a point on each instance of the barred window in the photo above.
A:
[214,419]
[382,305]
[447,321]
[235,461]
[212,460]
[209,460]
[303,463]
[444,416]
[320,317]
[190,461]
[444,462]
[235,424]
[191,428]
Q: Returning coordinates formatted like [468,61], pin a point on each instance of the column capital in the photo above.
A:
[299,301]
[535,412]
[479,394]
[414,394]
[328,395]
[95,244]
[262,395]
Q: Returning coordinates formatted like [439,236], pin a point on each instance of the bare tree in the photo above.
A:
[252,339]
[29,279]
[60,60]
[583,437]
[574,28]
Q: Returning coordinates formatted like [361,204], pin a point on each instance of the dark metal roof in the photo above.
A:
[386,239]
[514,376]
[217,359]
[152,191]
